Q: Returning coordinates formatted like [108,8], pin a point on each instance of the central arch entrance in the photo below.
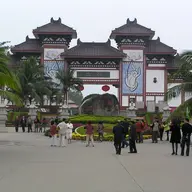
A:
[95,63]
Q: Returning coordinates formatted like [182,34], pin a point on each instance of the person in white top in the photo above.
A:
[62,133]
[69,131]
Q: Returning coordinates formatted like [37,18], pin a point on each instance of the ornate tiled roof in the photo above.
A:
[94,49]
[55,27]
[132,28]
[157,47]
[30,45]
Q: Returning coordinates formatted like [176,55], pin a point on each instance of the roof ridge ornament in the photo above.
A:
[128,21]
[27,38]
[78,41]
[52,20]
[135,21]
[158,39]
[108,42]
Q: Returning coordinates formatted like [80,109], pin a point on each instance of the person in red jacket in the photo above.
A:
[53,134]
[139,129]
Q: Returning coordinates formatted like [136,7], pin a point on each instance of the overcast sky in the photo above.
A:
[94,19]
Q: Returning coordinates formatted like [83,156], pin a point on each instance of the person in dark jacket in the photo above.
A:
[186,130]
[16,124]
[118,134]
[125,125]
[23,123]
[175,135]
[132,138]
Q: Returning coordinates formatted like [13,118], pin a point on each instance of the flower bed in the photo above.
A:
[106,137]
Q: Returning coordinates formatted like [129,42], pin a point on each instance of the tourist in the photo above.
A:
[53,134]
[62,133]
[155,131]
[175,135]
[36,123]
[118,134]
[186,138]
[161,131]
[132,138]
[167,128]
[89,134]
[125,125]
[17,124]
[29,124]
[69,131]
[139,129]
[44,124]
[23,123]
[100,131]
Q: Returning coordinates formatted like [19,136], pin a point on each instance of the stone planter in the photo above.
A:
[3,119]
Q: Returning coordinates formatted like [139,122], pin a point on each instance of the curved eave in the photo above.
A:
[114,34]
[161,53]
[37,33]
[92,57]
[25,51]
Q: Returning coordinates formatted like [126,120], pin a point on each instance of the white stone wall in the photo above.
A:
[157,87]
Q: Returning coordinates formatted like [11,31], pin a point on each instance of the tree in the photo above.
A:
[68,82]
[184,72]
[9,84]
[33,84]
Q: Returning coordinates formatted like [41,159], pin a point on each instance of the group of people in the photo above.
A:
[35,125]
[63,130]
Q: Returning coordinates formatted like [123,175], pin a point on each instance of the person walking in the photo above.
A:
[186,138]
[139,129]
[89,134]
[100,131]
[53,134]
[167,129]
[125,125]
[69,131]
[44,124]
[118,132]
[175,135]
[132,138]
[23,123]
[161,130]
[62,133]
[29,124]
[155,131]
[17,124]
[36,122]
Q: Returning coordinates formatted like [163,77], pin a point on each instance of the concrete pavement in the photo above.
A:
[27,163]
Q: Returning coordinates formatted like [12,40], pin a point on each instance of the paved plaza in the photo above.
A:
[28,163]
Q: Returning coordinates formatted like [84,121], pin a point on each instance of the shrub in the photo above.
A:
[95,119]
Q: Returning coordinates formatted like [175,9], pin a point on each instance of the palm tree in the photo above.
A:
[31,76]
[68,82]
[9,83]
[184,72]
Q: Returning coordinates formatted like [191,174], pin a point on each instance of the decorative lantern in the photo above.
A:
[81,88]
[105,88]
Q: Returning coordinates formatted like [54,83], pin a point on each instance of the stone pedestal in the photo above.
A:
[64,112]
[131,112]
[166,113]
[3,118]
[32,111]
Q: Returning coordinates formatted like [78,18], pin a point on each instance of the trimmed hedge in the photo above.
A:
[95,119]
